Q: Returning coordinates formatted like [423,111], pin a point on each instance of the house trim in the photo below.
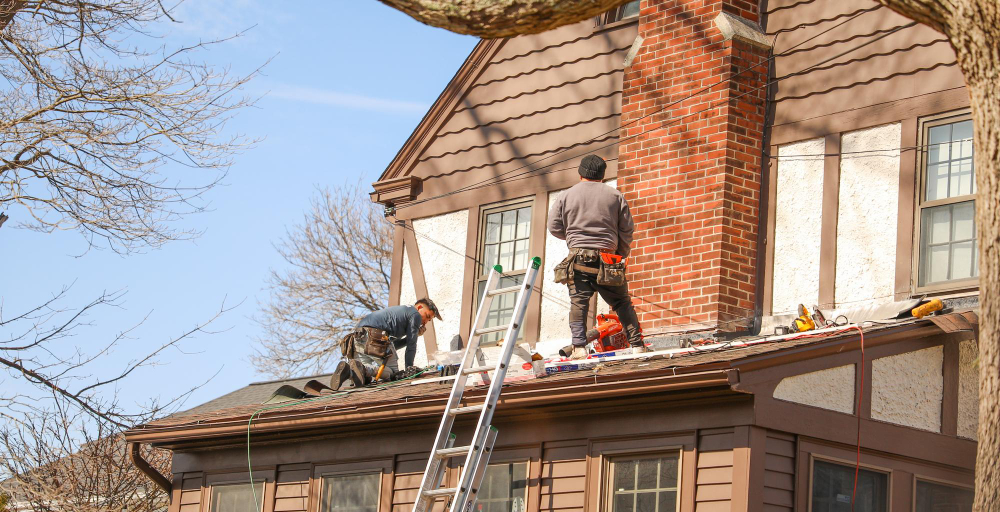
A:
[830,215]
[419,281]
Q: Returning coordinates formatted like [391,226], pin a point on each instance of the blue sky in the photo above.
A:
[348,83]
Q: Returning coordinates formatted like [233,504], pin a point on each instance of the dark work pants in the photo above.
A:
[582,289]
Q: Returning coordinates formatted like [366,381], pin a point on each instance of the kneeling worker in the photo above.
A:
[375,341]
[595,222]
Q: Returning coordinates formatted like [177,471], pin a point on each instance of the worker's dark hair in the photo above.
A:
[429,304]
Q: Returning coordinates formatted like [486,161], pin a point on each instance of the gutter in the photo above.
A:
[135,455]
[577,390]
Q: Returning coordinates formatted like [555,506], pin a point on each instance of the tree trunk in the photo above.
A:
[975,35]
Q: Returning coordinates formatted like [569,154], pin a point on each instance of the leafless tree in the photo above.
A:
[100,123]
[60,460]
[60,421]
[339,259]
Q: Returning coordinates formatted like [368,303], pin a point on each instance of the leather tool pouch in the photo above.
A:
[376,343]
[611,274]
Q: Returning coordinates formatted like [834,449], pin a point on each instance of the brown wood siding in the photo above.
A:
[714,490]
[904,71]
[539,94]
[190,493]
[291,493]
[779,472]
[408,471]
[564,482]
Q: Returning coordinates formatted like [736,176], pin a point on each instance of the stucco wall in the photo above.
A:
[867,216]
[444,268]
[553,331]
[407,296]
[907,389]
[798,215]
[968,390]
[831,389]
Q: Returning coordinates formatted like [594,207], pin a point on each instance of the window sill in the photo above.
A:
[957,289]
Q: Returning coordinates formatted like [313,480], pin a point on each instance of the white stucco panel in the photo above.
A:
[968,390]
[798,215]
[407,296]
[553,330]
[444,267]
[603,307]
[867,216]
[907,389]
[831,389]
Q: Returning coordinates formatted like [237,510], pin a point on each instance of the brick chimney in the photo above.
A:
[691,171]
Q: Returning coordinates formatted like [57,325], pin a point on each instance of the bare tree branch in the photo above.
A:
[340,256]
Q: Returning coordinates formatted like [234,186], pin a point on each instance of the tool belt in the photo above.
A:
[375,343]
[608,267]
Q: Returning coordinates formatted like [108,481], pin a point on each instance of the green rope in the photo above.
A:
[259,504]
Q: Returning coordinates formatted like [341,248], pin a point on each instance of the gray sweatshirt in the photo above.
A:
[592,215]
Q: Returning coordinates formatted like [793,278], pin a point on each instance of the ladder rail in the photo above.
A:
[493,395]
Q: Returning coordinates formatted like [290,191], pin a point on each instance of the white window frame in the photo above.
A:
[943,287]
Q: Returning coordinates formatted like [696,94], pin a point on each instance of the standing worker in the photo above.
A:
[373,344]
[595,222]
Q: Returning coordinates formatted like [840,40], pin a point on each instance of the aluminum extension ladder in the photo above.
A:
[477,454]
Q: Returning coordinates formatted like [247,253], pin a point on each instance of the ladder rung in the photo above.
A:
[479,369]
[434,493]
[451,452]
[488,330]
[501,291]
[462,410]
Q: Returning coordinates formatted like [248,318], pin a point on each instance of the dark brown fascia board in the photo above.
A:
[442,108]
[397,189]
[584,389]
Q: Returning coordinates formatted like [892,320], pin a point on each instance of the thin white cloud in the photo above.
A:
[340,99]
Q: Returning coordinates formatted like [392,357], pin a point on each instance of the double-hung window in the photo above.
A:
[947,254]
[505,241]
[644,483]
[504,488]
[350,493]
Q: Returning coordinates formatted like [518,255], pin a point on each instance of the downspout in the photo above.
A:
[142,465]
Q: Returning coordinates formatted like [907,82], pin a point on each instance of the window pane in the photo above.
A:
[506,258]
[645,502]
[937,181]
[648,471]
[350,493]
[236,497]
[520,255]
[630,9]
[623,502]
[942,498]
[507,227]
[493,228]
[962,180]
[668,501]
[937,149]
[668,473]
[624,476]
[963,215]
[504,488]
[939,224]
[489,257]
[524,222]
[937,264]
[961,260]
[833,485]
[962,134]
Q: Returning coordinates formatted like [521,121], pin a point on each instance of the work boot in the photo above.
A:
[640,349]
[579,353]
[340,375]
[359,376]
